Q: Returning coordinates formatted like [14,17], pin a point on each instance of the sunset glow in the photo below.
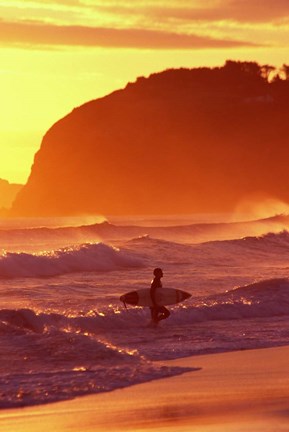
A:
[144,215]
[56,55]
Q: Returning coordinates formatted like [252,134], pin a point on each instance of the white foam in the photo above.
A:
[81,258]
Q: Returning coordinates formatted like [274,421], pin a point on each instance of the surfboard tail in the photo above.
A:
[186,295]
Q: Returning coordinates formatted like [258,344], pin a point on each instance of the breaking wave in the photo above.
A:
[55,357]
[262,299]
[87,257]
[278,241]
[105,231]
[266,298]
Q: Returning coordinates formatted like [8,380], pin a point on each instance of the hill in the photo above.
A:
[179,141]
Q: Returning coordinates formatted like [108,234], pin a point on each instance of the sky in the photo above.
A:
[59,54]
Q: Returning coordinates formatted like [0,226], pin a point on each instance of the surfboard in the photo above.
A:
[163,297]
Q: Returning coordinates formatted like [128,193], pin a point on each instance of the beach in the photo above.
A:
[236,391]
[74,358]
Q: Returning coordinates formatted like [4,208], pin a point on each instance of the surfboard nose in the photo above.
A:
[130,298]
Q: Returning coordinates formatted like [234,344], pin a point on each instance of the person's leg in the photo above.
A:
[163,313]
[154,314]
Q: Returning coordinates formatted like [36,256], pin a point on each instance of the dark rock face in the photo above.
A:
[181,141]
[8,192]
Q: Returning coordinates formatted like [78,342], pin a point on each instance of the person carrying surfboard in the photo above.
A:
[158,313]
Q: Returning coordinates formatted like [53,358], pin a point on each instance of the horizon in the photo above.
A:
[58,55]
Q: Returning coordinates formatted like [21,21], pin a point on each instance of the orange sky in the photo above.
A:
[56,55]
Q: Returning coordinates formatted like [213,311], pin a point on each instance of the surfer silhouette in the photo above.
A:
[158,313]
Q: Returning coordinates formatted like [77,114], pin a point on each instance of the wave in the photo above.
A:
[155,249]
[87,257]
[266,298]
[254,250]
[190,233]
[270,248]
[54,357]
[279,240]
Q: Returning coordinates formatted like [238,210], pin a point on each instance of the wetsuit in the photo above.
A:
[158,313]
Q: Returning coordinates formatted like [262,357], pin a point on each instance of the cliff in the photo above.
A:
[8,191]
[180,141]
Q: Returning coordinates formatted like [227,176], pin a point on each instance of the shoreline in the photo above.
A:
[233,391]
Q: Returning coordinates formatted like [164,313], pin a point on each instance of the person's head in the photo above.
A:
[158,272]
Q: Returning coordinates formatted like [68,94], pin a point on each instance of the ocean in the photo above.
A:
[65,333]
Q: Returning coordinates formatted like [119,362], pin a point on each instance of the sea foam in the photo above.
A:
[87,257]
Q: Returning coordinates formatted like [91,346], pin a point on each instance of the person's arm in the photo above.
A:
[154,286]
[156,283]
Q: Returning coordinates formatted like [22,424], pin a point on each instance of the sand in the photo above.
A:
[230,392]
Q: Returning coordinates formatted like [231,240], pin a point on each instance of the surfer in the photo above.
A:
[158,313]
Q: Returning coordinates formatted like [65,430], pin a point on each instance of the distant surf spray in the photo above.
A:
[259,206]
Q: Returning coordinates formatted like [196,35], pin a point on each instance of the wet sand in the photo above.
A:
[230,392]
